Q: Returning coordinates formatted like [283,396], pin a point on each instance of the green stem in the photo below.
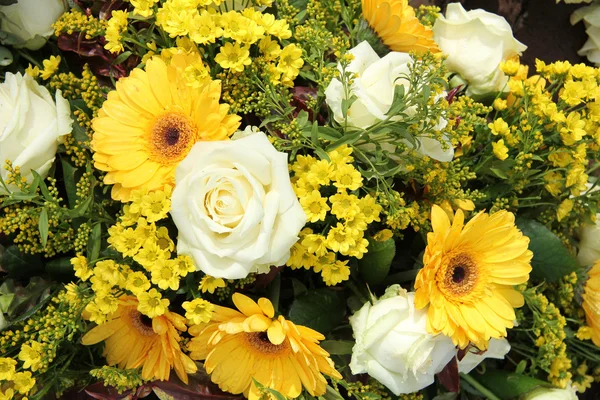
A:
[482,389]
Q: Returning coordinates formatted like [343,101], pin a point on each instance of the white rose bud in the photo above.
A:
[30,21]
[589,244]
[551,394]
[234,206]
[393,346]
[476,42]
[374,90]
[31,124]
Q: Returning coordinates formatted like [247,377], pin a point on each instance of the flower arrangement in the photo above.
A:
[312,199]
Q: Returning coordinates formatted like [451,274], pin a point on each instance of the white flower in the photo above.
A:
[591,19]
[589,244]
[31,124]
[475,43]
[374,90]
[497,348]
[234,206]
[551,394]
[393,346]
[30,21]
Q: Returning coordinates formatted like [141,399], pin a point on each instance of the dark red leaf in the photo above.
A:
[199,387]
[449,376]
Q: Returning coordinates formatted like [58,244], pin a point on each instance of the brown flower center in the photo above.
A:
[260,341]
[461,275]
[141,322]
[172,136]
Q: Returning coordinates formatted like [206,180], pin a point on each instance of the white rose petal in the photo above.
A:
[475,43]
[374,90]
[30,21]
[234,206]
[498,348]
[31,125]
[568,393]
[393,346]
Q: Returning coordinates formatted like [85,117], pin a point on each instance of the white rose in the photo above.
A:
[589,244]
[234,206]
[30,21]
[551,394]
[497,348]
[475,43]
[31,124]
[591,19]
[393,346]
[374,90]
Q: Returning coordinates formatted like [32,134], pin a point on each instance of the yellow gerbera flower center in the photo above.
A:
[260,341]
[172,136]
[460,276]
[141,323]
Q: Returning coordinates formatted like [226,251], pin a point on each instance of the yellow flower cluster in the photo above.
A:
[137,237]
[327,190]
[145,8]
[50,67]
[117,24]
[239,30]
[12,382]
[76,21]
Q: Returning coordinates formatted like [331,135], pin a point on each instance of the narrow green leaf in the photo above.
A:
[43,226]
[321,309]
[314,133]
[507,385]
[346,139]
[69,179]
[321,153]
[122,57]
[94,241]
[338,347]
[499,173]
[43,186]
[302,118]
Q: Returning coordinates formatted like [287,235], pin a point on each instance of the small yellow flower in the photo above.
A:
[164,275]
[341,155]
[302,164]
[499,127]
[182,265]
[23,382]
[555,183]
[383,235]
[347,177]
[500,150]
[143,7]
[360,249]
[31,355]
[314,206]
[7,368]
[108,271]
[8,394]
[320,172]
[128,242]
[80,266]
[335,273]
[315,243]
[150,253]
[510,67]
[205,28]
[339,239]
[163,240]
[564,209]
[32,71]
[50,67]
[233,57]
[152,304]
[269,48]
[137,282]
[344,205]
[500,104]
[210,284]
[156,205]
[584,333]
[369,209]
[198,311]
[290,61]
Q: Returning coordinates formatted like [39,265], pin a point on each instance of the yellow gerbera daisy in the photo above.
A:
[241,346]
[395,23]
[468,276]
[150,123]
[591,302]
[133,340]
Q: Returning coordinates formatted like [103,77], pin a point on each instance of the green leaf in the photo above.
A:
[122,57]
[321,309]
[43,226]
[94,241]
[7,2]
[551,259]
[60,268]
[21,265]
[328,133]
[499,173]
[338,347]
[321,153]
[314,132]
[346,139]
[79,132]
[507,385]
[81,209]
[42,185]
[375,265]
[69,179]
[346,104]
[302,118]
[275,393]
[5,300]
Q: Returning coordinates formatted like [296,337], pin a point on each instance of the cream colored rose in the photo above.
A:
[30,21]
[551,394]
[234,206]
[589,243]
[476,42]
[31,124]
[374,90]
[590,15]
[393,346]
